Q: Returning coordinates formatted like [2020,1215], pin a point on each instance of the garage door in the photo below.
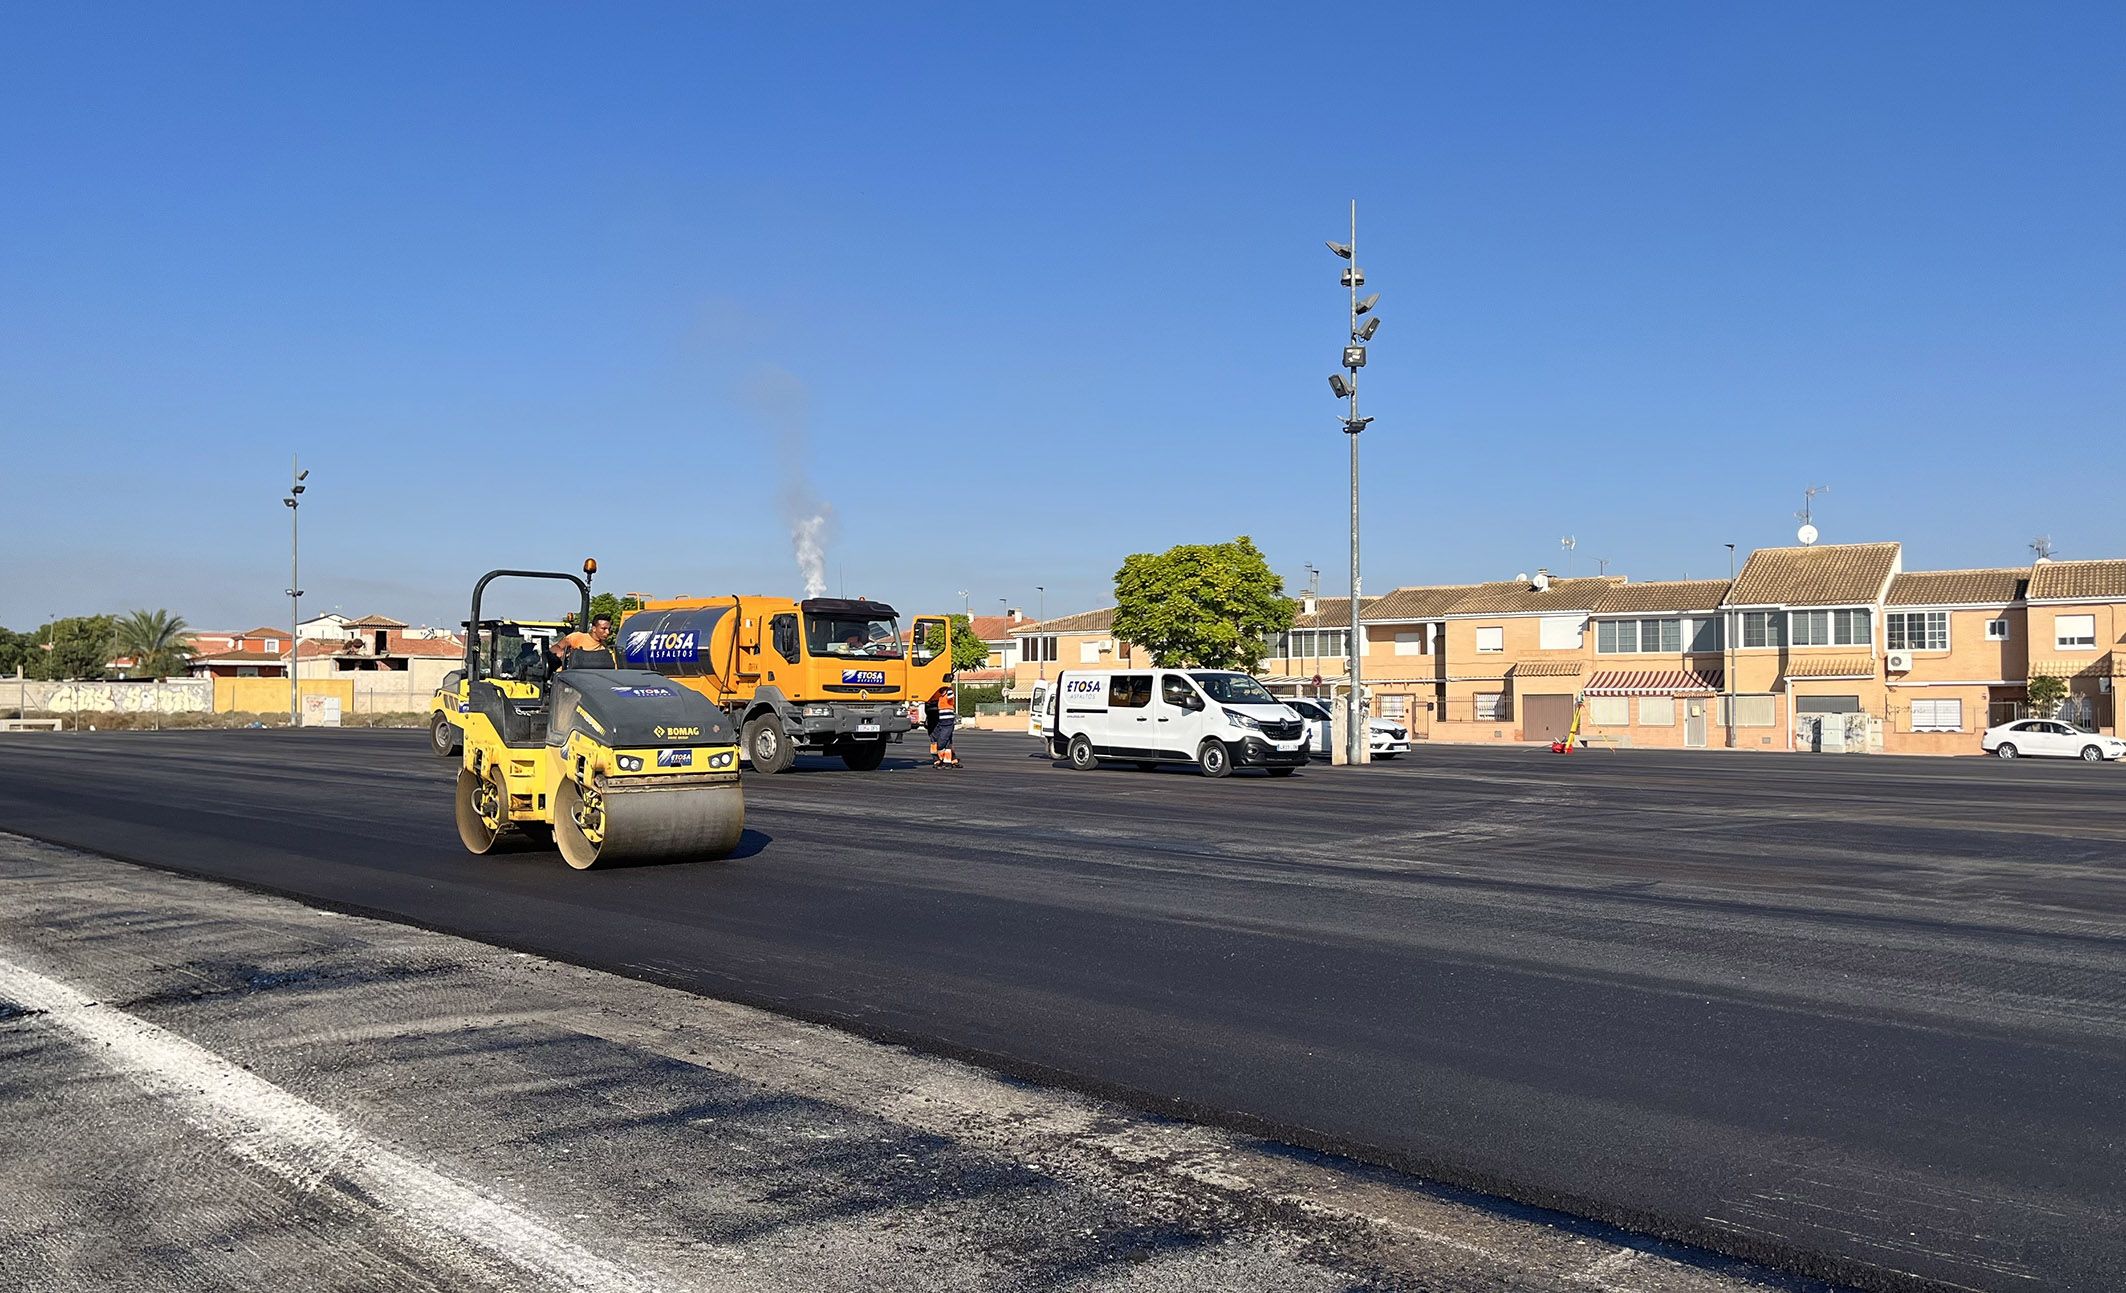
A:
[1545,718]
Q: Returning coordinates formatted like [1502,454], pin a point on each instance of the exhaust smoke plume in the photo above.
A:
[785,405]
[806,537]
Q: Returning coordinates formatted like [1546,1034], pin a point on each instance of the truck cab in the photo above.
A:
[827,675]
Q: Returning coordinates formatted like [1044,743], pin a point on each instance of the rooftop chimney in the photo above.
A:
[1306,604]
[1014,613]
[1542,581]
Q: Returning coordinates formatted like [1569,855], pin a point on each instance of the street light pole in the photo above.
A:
[1727,634]
[1345,385]
[294,500]
[1040,617]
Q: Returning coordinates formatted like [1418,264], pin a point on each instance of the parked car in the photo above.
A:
[2050,738]
[1387,737]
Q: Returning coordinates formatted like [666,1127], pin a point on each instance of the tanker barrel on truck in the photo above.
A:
[827,675]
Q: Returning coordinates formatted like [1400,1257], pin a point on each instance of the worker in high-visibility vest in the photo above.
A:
[942,719]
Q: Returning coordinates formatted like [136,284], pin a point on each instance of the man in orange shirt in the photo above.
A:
[598,639]
[942,719]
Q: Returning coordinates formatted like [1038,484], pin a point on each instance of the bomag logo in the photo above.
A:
[864,677]
[1084,686]
[661,648]
[675,733]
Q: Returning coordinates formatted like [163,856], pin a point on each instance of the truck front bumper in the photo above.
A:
[842,721]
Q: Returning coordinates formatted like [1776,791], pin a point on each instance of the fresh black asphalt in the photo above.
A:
[1860,1017]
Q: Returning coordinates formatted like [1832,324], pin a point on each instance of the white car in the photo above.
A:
[2050,738]
[1388,737]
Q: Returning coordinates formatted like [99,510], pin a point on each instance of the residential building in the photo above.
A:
[251,653]
[1956,655]
[1658,665]
[2077,632]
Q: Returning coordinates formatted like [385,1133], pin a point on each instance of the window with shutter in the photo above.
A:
[1609,711]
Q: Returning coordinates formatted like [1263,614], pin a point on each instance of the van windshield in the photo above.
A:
[1234,689]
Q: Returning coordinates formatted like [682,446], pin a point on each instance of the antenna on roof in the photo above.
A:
[1808,533]
[1601,565]
[1568,543]
[2042,546]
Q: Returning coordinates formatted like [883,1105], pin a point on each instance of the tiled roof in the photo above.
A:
[261,633]
[1652,682]
[1332,613]
[1099,621]
[1664,595]
[2074,580]
[1830,666]
[1544,669]
[1514,596]
[434,648]
[379,622]
[1996,587]
[1418,602]
[1832,574]
[993,628]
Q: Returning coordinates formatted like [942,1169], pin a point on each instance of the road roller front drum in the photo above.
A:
[596,827]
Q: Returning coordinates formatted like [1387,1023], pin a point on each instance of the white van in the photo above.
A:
[1208,717]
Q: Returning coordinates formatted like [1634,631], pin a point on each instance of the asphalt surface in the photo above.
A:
[210,1089]
[1859,1017]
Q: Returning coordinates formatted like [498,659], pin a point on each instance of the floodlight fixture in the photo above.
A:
[1366,305]
[1340,386]
[1341,249]
[1354,357]
[1366,333]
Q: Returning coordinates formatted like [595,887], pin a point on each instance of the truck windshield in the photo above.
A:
[1234,689]
[863,639]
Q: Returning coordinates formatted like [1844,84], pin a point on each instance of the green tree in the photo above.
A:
[1201,605]
[17,651]
[968,651]
[156,641]
[615,606]
[2046,695]
[79,647]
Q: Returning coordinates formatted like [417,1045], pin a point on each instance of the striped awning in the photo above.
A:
[1830,666]
[1547,669]
[1652,682]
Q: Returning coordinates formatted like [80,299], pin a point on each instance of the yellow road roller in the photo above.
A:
[610,765]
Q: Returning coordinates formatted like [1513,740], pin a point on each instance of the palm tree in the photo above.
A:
[156,641]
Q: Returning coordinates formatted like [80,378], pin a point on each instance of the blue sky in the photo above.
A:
[1020,292]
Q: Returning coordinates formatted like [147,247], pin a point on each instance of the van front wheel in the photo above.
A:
[1215,759]
[1081,753]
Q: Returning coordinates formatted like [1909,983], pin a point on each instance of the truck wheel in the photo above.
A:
[863,756]
[767,747]
[443,737]
[1215,759]
[1081,753]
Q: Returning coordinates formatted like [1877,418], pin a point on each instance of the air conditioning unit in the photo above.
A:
[1899,661]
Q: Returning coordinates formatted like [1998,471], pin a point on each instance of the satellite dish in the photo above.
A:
[1807,534]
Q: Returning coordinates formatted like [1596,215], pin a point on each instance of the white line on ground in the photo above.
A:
[306,1145]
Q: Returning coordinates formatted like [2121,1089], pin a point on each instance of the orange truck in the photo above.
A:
[828,675]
